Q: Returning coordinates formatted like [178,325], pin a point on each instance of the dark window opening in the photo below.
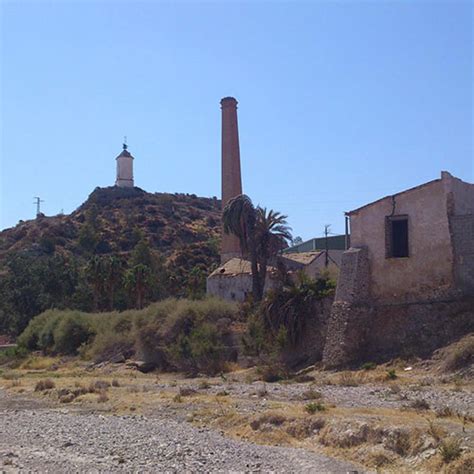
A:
[397,236]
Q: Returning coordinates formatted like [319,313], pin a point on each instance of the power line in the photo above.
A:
[38,202]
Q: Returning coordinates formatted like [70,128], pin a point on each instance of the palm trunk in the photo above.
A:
[263,275]
[256,283]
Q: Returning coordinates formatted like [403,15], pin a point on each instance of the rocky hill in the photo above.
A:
[160,245]
[113,219]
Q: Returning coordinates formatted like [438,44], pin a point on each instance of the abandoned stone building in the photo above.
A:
[407,282]
[233,279]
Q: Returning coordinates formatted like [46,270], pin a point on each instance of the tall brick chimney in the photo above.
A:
[231,177]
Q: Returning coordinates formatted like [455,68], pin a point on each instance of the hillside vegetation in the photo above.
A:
[193,336]
[122,248]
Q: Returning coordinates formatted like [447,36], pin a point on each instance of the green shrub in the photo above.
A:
[450,449]
[368,366]
[289,306]
[70,333]
[179,334]
[391,374]
[12,354]
[314,407]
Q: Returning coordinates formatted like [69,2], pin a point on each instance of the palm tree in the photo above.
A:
[261,235]
[137,279]
[95,275]
[240,218]
[113,271]
[272,236]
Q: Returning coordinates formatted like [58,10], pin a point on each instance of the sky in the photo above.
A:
[340,103]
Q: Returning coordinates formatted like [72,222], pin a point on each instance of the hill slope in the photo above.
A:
[159,245]
[116,218]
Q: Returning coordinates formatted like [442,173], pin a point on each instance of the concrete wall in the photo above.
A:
[429,268]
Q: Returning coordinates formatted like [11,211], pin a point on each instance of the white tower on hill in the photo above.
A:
[124,169]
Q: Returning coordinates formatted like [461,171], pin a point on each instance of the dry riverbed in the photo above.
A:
[59,416]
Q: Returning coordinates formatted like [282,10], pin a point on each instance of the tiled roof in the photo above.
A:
[302,257]
[236,266]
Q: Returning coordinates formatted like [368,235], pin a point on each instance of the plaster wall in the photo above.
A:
[462,195]
[428,270]
[316,267]
[235,287]
[124,172]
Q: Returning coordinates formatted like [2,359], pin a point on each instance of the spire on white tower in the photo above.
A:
[124,168]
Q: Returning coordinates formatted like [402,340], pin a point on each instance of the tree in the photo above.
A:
[95,276]
[240,218]
[113,274]
[261,235]
[196,287]
[138,281]
[297,241]
[272,236]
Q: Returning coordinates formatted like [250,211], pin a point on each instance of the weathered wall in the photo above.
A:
[462,229]
[359,333]
[124,172]
[350,314]
[318,266]
[234,287]
[310,347]
[417,329]
[429,268]
[462,195]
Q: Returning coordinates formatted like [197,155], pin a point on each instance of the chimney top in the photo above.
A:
[228,102]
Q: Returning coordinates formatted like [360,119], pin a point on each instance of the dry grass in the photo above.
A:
[458,355]
[39,363]
[311,394]
[284,422]
[351,379]
[450,449]
[102,398]
[43,385]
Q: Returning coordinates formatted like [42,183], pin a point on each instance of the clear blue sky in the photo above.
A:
[340,103]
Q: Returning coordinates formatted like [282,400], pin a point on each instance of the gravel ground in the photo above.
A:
[45,439]
[362,396]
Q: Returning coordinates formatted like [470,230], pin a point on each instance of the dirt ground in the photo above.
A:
[395,418]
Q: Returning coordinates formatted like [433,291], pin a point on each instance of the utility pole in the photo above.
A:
[38,202]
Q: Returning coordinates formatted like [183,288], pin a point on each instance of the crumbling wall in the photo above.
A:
[462,236]
[416,329]
[350,313]
[309,349]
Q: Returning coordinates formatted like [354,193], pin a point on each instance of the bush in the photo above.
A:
[391,374]
[450,449]
[420,404]
[460,355]
[71,333]
[314,407]
[179,334]
[11,354]
[43,385]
